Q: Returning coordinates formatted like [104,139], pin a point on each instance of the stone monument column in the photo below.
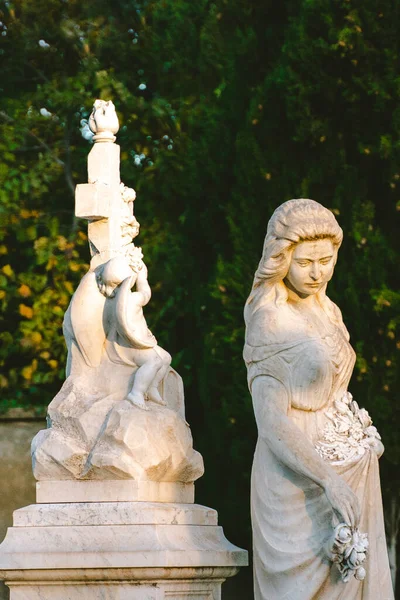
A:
[115,516]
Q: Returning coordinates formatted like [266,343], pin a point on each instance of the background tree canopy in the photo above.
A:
[227,109]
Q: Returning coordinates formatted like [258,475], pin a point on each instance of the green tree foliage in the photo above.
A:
[226,109]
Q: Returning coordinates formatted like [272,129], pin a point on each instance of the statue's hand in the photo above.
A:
[142,273]
[344,501]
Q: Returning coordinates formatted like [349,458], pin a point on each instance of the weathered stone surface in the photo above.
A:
[113,490]
[121,550]
[316,462]
[18,487]
[100,435]
[121,412]
[118,450]
[113,513]
[154,445]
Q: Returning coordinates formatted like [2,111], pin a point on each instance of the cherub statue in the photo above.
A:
[127,331]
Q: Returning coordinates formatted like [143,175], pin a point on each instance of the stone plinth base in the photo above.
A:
[117,551]
[118,490]
[134,584]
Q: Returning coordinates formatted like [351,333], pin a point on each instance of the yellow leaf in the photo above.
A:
[26,311]
[24,291]
[53,363]
[62,242]
[51,263]
[7,270]
[26,214]
[27,373]
[69,287]
[36,337]
[3,249]
[2,294]
[74,266]
[45,355]
[3,381]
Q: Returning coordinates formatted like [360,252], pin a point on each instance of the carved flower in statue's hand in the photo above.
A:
[343,426]
[361,557]
[349,432]
[357,433]
[348,550]
[341,407]
[354,407]
[360,574]
[372,432]
[353,558]
[360,541]
[364,418]
[343,534]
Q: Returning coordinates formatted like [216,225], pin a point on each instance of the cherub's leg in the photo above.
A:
[153,394]
[143,379]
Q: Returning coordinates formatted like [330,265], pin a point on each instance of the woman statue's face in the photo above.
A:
[311,267]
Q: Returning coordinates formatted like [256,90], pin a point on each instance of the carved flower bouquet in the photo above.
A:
[348,435]
[348,550]
[349,432]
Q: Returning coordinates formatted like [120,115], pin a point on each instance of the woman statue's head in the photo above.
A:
[294,222]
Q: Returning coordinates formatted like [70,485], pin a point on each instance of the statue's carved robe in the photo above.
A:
[291,516]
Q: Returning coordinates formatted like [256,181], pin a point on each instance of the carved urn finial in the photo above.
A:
[103,121]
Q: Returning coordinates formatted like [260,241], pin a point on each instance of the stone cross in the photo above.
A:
[106,202]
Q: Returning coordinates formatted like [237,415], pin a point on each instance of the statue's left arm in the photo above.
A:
[143,290]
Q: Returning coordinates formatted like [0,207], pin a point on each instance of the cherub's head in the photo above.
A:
[112,273]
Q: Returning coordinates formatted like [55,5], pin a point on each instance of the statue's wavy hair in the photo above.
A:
[295,221]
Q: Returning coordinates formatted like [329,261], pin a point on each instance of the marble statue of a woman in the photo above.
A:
[315,472]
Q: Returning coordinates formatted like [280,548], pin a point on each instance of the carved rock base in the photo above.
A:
[95,433]
[117,551]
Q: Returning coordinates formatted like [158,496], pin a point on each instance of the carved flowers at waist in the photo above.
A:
[349,432]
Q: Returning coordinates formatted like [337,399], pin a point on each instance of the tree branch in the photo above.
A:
[42,143]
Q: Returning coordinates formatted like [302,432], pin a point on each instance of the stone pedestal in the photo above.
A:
[116,467]
[117,551]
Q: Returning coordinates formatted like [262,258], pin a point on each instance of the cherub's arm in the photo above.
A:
[143,291]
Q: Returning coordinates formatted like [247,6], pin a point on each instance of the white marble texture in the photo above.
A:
[189,584]
[127,550]
[316,461]
[115,517]
[120,490]
[120,413]
[113,513]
